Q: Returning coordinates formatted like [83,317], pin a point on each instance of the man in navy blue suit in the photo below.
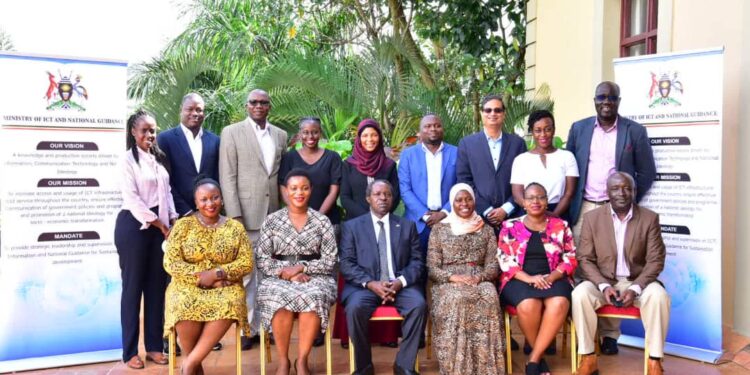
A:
[382,264]
[191,150]
[485,160]
[426,173]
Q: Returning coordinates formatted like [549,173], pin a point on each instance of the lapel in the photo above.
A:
[484,148]
[630,236]
[622,135]
[421,167]
[395,227]
[206,147]
[182,142]
[369,231]
[607,230]
[585,140]
[251,140]
[503,150]
[445,161]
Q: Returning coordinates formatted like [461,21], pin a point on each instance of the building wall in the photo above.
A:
[574,43]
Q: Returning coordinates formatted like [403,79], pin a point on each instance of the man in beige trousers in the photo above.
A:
[249,157]
[621,253]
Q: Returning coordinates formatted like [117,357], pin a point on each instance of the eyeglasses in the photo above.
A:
[540,198]
[490,110]
[263,103]
[601,98]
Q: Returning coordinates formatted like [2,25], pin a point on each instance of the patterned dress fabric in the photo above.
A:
[467,328]
[194,248]
[279,237]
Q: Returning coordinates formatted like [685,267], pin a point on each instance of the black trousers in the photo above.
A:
[410,303]
[141,265]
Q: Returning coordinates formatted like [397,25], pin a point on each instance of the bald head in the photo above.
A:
[192,112]
[258,105]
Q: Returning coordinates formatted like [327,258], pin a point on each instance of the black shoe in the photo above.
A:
[217,347]
[368,370]
[551,349]
[319,340]
[526,348]
[398,370]
[532,368]
[390,344]
[609,346]
[543,367]
[177,350]
[345,344]
[422,344]
[514,344]
[247,342]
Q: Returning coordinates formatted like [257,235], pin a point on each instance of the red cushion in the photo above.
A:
[510,309]
[632,311]
[386,312]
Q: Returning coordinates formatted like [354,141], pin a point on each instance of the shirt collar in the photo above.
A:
[596,124]
[189,133]
[489,139]
[375,219]
[257,128]
[627,217]
[439,150]
[144,154]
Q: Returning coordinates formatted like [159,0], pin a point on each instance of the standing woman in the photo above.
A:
[367,163]
[465,308]
[141,227]
[323,166]
[554,168]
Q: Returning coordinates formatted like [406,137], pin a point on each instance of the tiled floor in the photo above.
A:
[629,361]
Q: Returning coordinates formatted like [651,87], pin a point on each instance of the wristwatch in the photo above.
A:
[220,274]
[304,266]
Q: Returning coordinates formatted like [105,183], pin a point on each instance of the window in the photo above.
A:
[638,27]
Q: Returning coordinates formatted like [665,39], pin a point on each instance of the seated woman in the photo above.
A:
[296,254]
[207,256]
[465,310]
[537,257]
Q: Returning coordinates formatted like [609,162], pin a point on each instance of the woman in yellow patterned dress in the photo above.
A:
[207,256]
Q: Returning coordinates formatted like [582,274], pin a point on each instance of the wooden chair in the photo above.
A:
[382,313]
[173,355]
[509,311]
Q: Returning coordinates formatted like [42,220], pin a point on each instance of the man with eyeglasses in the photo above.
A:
[249,156]
[605,144]
[484,162]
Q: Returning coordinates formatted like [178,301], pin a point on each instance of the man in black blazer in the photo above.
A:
[485,160]
[191,151]
[367,242]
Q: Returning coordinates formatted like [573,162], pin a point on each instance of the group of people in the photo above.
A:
[486,225]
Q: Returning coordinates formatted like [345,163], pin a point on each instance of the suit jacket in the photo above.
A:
[360,257]
[633,155]
[182,172]
[412,178]
[249,189]
[475,167]
[354,187]
[644,248]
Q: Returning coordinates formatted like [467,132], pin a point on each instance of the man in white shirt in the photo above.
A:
[621,253]
[249,158]
[382,264]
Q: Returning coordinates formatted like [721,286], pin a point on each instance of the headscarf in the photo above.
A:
[369,163]
[459,225]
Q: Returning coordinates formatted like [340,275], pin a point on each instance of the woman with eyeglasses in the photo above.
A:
[537,258]
[554,168]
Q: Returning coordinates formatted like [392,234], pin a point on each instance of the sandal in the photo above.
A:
[135,363]
[158,358]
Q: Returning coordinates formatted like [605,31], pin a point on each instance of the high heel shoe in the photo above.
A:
[532,368]
[543,367]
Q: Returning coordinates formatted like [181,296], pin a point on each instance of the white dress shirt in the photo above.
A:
[387,227]
[267,145]
[195,143]
[434,164]
[621,269]
[145,184]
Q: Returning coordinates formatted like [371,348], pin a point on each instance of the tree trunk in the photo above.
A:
[402,32]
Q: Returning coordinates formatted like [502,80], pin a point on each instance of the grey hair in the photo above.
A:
[368,191]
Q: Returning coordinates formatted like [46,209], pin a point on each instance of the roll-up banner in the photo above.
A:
[678,97]
[62,124]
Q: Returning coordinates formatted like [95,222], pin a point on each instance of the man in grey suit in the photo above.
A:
[249,156]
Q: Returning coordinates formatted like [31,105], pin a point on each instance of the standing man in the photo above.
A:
[485,160]
[382,264]
[602,145]
[426,173]
[191,150]
[621,253]
[250,155]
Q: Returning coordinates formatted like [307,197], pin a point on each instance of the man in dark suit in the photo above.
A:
[485,160]
[191,151]
[621,253]
[603,144]
[382,264]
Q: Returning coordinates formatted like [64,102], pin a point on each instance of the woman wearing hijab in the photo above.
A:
[465,310]
[367,163]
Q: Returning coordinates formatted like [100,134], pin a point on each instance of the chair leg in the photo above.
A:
[263,350]
[429,338]
[645,357]
[416,364]
[172,354]
[573,348]
[238,349]
[351,356]
[508,357]
[329,363]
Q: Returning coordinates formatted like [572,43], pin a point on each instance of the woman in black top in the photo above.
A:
[323,166]
[367,163]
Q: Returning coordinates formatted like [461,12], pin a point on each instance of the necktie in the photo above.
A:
[383,249]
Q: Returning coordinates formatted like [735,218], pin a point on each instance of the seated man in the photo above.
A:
[382,264]
[620,255]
